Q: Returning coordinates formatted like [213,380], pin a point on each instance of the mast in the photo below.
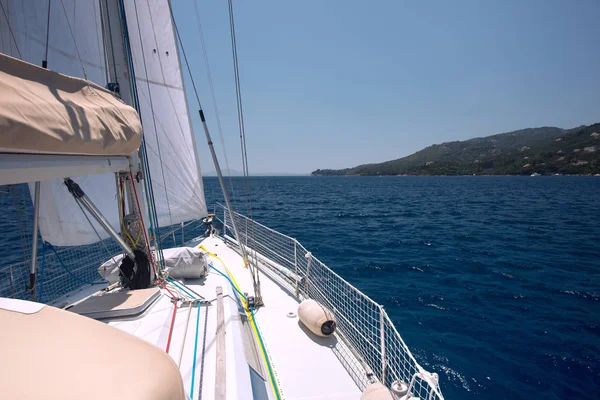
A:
[122,83]
[120,76]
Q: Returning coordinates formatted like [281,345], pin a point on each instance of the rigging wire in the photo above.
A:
[97,234]
[238,94]
[10,30]
[45,60]
[254,274]
[100,41]
[184,56]
[212,93]
[74,41]
[240,109]
[112,48]
[101,37]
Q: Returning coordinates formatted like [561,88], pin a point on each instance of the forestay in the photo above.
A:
[174,165]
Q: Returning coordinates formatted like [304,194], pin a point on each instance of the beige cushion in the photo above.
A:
[56,354]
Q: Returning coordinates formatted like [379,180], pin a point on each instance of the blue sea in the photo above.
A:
[493,282]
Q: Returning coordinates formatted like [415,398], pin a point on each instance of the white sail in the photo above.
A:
[24,36]
[172,157]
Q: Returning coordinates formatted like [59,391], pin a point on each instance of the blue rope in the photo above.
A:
[182,288]
[68,270]
[262,345]
[195,352]
[229,279]
[260,339]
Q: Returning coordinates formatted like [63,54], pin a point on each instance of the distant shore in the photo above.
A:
[406,175]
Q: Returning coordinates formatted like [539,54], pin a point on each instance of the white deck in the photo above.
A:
[305,366]
[154,325]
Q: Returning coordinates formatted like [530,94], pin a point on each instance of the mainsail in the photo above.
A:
[73,32]
[72,37]
[172,156]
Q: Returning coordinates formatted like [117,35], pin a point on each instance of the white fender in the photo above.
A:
[317,318]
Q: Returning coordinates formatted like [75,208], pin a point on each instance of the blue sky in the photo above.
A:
[333,84]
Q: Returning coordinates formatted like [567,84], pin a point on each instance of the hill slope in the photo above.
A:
[546,150]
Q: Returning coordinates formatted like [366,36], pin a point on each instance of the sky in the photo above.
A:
[335,84]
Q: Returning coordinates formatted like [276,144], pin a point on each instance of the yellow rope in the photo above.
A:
[246,309]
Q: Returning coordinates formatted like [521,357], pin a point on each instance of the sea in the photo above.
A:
[493,282]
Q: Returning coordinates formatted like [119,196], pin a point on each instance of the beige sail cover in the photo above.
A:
[43,111]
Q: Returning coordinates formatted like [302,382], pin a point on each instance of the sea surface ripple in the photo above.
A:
[493,282]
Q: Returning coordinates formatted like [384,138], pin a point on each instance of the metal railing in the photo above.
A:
[59,270]
[362,323]
[63,270]
[179,234]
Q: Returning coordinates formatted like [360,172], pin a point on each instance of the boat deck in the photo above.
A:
[304,366]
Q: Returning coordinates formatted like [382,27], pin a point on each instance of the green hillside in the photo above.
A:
[546,150]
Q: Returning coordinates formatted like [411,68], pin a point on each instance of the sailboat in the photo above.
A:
[98,151]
